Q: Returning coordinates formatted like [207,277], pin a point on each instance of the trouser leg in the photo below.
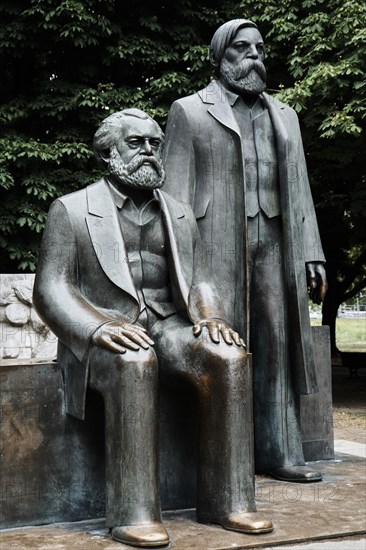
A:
[129,386]
[225,471]
[276,407]
[220,376]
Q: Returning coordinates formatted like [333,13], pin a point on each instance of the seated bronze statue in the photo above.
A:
[122,282]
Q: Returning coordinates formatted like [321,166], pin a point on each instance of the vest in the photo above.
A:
[260,158]
[145,247]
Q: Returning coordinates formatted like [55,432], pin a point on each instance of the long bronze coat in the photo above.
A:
[204,163]
[83,277]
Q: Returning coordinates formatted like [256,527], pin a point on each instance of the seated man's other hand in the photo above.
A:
[118,336]
[216,328]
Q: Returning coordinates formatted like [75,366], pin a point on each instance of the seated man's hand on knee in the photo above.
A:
[217,328]
[118,336]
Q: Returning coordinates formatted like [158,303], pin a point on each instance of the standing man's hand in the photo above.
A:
[119,336]
[317,281]
[216,327]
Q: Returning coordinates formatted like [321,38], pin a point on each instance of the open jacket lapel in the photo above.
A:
[281,134]
[106,237]
[302,349]
[280,131]
[220,108]
[102,222]
[180,251]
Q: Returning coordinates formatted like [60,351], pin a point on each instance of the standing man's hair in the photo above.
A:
[223,36]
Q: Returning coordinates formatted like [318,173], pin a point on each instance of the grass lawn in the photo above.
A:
[350,333]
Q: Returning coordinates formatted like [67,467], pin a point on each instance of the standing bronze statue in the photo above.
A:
[122,282]
[235,154]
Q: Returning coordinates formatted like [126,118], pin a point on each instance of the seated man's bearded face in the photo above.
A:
[242,69]
[136,159]
[144,173]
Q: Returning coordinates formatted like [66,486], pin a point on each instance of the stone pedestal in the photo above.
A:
[52,465]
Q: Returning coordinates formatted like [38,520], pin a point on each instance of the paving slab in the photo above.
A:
[301,513]
[354,543]
[350,447]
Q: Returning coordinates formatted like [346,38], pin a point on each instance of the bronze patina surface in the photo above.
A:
[123,282]
[235,154]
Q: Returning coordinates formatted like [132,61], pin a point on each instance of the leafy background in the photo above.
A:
[68,64]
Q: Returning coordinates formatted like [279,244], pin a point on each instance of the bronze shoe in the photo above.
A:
[148,534]
[299,474]
[251,523]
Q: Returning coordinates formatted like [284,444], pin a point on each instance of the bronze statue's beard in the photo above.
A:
[247,77]
[136,173]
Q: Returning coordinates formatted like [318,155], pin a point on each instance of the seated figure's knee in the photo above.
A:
[141,361]
[222,363]
[222,352]
[108,368]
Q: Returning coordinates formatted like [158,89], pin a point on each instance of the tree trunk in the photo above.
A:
[330,310]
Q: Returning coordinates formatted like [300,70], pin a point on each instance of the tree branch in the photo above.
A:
[352,272]
[355,290]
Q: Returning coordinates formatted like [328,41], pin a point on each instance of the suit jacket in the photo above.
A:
[204,164]
[83,278]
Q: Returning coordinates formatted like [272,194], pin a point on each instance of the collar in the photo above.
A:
[233,97]
[119,198]
[140,215]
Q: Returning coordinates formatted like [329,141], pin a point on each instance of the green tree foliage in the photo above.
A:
[68,64]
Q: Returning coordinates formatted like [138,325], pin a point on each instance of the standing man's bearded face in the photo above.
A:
[242,69]
[135,160]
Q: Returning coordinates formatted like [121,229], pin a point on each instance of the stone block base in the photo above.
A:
[52,465]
